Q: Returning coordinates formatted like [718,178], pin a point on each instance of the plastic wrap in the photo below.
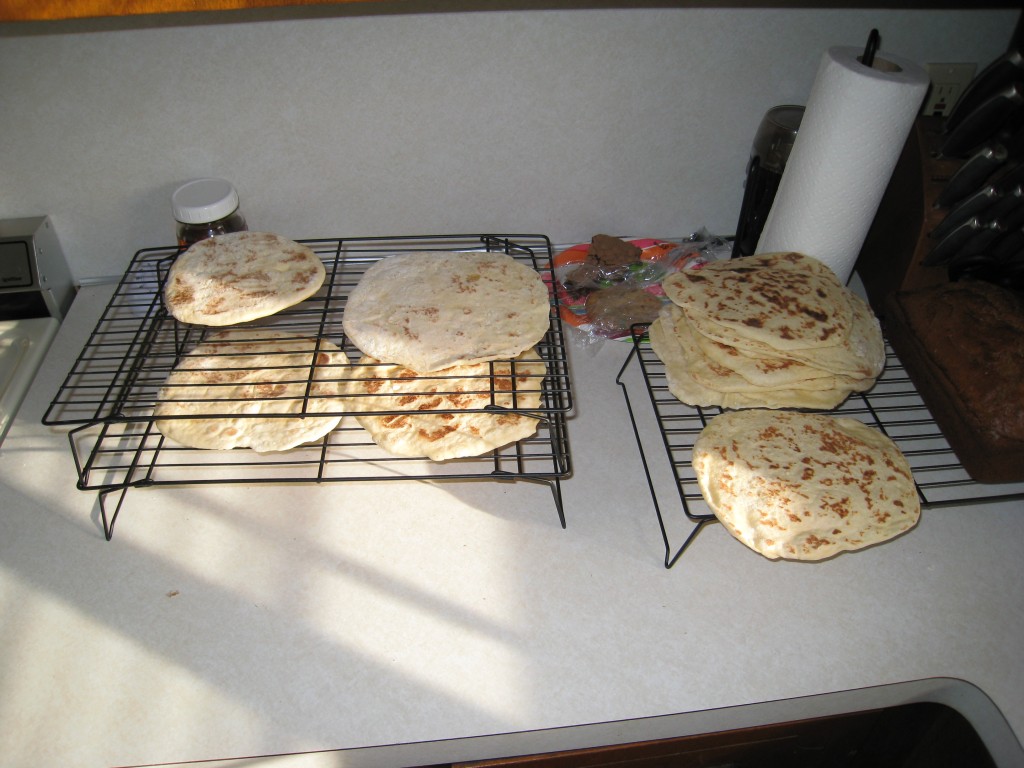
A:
[603,298]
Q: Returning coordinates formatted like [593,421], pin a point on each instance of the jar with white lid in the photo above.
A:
[204,208]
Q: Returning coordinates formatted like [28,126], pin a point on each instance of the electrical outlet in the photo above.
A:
[948,82]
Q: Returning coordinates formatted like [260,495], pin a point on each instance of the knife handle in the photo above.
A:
[980,202]
[972,174]
[996,75]
[982,240]
[984,122]
[1005,204]
[953,243]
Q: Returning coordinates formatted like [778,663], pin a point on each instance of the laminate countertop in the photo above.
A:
[387,624]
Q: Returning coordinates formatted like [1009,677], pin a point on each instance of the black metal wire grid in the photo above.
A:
[892,405]
[109,395]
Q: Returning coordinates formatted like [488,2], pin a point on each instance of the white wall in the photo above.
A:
[562,122]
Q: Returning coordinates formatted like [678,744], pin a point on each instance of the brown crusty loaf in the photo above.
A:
[963,346]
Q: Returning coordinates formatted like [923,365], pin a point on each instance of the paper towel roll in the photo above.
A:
[854,127]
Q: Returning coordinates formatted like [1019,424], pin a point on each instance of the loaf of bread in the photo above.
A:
[962,344]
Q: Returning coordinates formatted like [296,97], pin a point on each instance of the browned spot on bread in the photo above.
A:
[436,434]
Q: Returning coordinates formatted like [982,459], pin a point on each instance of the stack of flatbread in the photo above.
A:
[804,486]
[772,330]
[449,352]
[245,387]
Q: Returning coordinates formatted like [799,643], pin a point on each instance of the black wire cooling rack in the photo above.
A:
[109,395]
[892,405]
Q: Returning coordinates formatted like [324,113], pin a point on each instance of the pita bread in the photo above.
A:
[695,381]
[442,415]
[246,388]
[722,345]
[241,276]
[860,353]
[432,310]
[786,300]
[804,486]
[742,373]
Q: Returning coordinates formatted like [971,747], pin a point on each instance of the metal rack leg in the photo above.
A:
[670,559]
[108,521]
[699,522]
[556,491]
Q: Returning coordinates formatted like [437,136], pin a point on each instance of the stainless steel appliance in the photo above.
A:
[36,290]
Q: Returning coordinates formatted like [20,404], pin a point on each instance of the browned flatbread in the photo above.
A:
[787,300]
[247,388]
[462,411]
[241,276]
[431,310]
[804,486]
[768,331]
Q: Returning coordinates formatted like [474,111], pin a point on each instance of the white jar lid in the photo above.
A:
[204,200]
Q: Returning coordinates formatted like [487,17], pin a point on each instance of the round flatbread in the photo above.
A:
[450,413]
[724,373]
[804,486]
[859,353]
[245,388]
[241,276]
[766,331]
[785,300]
[433,310]
[698,381]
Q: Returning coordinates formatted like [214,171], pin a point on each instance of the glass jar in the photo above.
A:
[204,208]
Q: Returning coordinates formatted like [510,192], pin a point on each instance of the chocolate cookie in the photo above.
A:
[607,251]
[613,310]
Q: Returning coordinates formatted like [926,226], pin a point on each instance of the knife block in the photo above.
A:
[897,242]
[892,261]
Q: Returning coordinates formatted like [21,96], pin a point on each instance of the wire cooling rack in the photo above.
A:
[892,405]
[109,395]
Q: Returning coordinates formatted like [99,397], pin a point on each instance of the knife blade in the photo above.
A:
[1008,205]
[973,205]
[951,244]
[984,121]
[983,239]
[993,78]
[1009,177]
[972,174]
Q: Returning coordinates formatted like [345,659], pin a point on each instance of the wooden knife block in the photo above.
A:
[894,249]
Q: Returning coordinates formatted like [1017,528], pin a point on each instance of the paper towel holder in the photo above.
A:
[871,60]
[870,48]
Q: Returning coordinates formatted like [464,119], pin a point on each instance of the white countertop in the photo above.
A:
[242,621]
